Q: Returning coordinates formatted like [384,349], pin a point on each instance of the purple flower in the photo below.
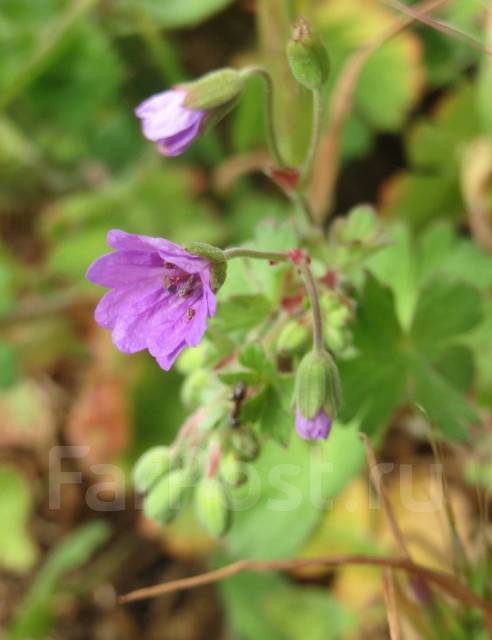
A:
[160,295]
[316,428]
[166,121]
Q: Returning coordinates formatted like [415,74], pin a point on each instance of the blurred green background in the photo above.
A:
[417,145]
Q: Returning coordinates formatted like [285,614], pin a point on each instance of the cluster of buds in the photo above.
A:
[203,466]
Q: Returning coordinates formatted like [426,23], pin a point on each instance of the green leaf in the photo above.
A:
[288,490]
[442,403]
[34,616]
[280,609]
[9,365]
[445,310]
[175,14]
[415,367]
[457,365]
[277,418]
[242,312]
[377,328]
[395,266]
[431,189]
[440,250]
[18,551]
[389,82]
[253,357]
[373,388]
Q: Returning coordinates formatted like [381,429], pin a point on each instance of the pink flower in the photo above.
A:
[160,295]
[316,428]
[166,121]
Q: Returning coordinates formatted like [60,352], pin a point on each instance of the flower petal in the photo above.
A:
[125,268]
[317,428]
[164,115]
[127,303]
[124,241]
[176,144]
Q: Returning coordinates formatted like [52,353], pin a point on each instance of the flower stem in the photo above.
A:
[317,129]
[271,132]
[300,201]
[310,283]
[240,252]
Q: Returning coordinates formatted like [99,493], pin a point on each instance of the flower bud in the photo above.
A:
[218,262]
[337,338]
[307,55]
[213,90]
[163,502]
[232,472]
[245,444]
[292,337]
[194,387]
[317,385]
[212,506]
[153,464]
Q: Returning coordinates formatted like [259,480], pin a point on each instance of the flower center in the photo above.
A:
[180,283]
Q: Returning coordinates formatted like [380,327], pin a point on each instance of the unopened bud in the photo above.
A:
[218,262]
[194,387]
[214,90]
[337,338]
[163,502]
[232,472]
[212,506]
[292,338]
[245,444]
[307,55]
[153,464]
[317,385]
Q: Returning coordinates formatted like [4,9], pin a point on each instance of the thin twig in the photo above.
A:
[380,487]
[390,601]
[438,25]
[445,581]
[328,158]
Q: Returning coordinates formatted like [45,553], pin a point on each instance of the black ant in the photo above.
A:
[237,397]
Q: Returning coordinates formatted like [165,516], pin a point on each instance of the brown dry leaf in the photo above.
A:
[99,417]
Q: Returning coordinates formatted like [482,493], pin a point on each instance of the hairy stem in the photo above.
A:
[317,129]
[307,275]
[242,252]
[271,132]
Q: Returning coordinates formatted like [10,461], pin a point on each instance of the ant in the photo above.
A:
[238,396]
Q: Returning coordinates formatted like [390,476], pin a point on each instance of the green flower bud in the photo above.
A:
[231,470]
[163,502]
[337,338]
[245,444]
[192,360]
[153,464]
[212,507]
[317,385]
[214,90]
[194,386]
[292,338]
[308,58]
[218,263]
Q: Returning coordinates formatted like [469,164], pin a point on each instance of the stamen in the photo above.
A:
[188,288]
[170,284]
[190,313]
